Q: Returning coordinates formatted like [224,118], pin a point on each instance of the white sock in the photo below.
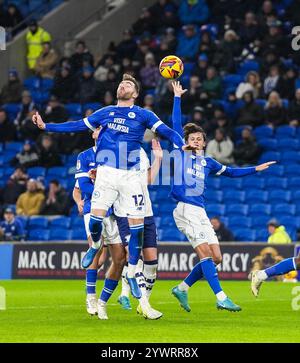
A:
[96,245]
[221,296]
[90,295]
[144,302]
[101,302]
[131,270]
[262,275]
[150,272]
[183,286]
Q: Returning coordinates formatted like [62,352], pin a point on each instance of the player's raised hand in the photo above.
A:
[157,150]
[189,148]
[37,120]
[265,166]
[177,89]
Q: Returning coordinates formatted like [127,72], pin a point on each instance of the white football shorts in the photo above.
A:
[194,223]
[125,185]
[110,231]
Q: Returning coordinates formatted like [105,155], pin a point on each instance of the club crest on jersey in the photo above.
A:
[131,115]
[78,165]
[203,162]
[96,194]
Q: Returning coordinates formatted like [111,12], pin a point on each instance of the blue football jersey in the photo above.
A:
[120,141]
[190,177]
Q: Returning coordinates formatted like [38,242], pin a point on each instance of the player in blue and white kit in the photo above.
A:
[190,181]
[281,268]
[117,159]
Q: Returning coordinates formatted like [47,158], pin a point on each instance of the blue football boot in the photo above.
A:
[182,297]
[89,257]
[124,302]
[134,287]
[227,304]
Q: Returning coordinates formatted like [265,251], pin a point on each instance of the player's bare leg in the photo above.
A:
[113,275]
[95,226]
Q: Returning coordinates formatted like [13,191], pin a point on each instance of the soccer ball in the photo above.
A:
[171,67]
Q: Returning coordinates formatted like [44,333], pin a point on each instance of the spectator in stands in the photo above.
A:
[108,99]
[220,148]
[149,73]
[127,47]
[171,38]
[275,113]
[192,95]
[127,64]
[104,66]
[251,113]
[294,108]
[89,87]
[65,85]
[149,102]
[162,51]
[12,90]
[110,84]
[278,234]
[12,20]
[207,44]
[292,12]
[145,23]
[252,83]
[247,151]
[81,58]
[11,229]
[23,120]
[168,18]
[250,30]
[27,158]
[223,233]
[48,155]
[55,111]
[56,202]
[266,13]
[286,84]
[188,43]
[198,117]
[193,12]
[35,38]
[201,67]
[46,62]
[228,50]
[29,203]
[275,40]
[164,97]
[270,82]
[7,128]
[15,186]
[212,85]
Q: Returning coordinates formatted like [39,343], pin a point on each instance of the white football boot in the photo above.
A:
[102,313]
[255,283]
[91,304]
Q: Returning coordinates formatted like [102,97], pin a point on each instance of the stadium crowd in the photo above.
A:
[240,70]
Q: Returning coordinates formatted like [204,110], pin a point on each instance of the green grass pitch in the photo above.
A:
[54,311]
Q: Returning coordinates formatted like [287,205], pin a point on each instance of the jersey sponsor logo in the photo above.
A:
[195,173]
[78,165]
[120,128]
[131,115]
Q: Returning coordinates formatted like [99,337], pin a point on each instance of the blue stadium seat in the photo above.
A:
[38,222]
[60,234]
[215,209]
[214,196]
[263,132]
[275,182]
[12,110]
[14,146]
[74,211]
[57,172]
[229,183]
[268,144]
[236,209]
[239,222]
[74,109]
[60,222]
[24,220]
[232,80]
[253,182]
[46,84]
[167,220]
[260,221]
[285,131]
[283,208]
[290,157]
[92,105]
[259,209]
[296,196]
[32,83]
[262,235]
[269,156]
[233,196]
[261,102]
[36,172]
[256,196]
[77,222]
[72,159]
[244,234]
[287,221]
[170,234]
[166,208]
[78,234]
[248,65]
[291,170]
[288,144]
[279,196]
[275,171]
[294,183]
[39,235]
[158,222]
[1,173]
[214,182]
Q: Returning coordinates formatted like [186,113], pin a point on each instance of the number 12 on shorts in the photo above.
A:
[138,200]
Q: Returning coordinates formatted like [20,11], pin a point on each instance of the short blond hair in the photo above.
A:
[128,77]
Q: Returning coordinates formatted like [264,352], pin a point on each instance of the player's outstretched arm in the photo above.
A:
[239,172]
[176,112]
[154,169]
[264,166]
[70,126]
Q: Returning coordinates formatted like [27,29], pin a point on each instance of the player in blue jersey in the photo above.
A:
[281,268]
[117,159]
[191,171]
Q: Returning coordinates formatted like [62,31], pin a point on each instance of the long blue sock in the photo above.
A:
[134,247]
[95,226]
[195,275]
[91,278]
[211,274]
[108,289]
[281,267]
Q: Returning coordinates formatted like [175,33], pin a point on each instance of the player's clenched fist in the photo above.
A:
[93,173]
[37,120]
